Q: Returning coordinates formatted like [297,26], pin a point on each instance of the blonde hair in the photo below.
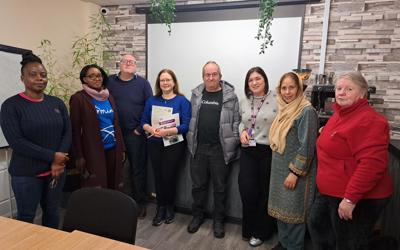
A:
[357,78]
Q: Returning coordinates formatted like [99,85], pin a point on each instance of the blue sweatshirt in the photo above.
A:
[130,97]
[179,104]
[35,131]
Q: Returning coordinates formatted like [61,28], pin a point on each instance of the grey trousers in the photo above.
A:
[291,236]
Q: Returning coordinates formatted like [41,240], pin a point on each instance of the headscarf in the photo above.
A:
[287,114]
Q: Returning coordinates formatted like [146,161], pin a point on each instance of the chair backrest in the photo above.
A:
[102,212]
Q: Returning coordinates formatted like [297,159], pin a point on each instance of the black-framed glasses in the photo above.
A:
[95,77]
[128,62]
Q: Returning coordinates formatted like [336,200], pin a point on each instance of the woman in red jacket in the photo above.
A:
[96,135]
[352,176]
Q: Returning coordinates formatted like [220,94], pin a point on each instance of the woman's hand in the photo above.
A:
[163,132]
[58,164]
[290,181]
[345,210]
[60,158]
[57,169]
[151,130]
[244,137]
[156,132]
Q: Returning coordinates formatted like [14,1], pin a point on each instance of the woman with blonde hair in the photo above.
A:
[292,139]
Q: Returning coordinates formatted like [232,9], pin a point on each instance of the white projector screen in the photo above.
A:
[10,58]
[230,43]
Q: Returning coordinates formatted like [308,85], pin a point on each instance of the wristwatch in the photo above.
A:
[348,201]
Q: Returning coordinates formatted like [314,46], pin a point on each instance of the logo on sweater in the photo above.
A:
[209,102]
[57,110]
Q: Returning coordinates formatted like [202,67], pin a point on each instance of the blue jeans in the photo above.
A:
[30,191]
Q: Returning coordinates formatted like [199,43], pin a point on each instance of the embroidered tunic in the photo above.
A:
[292,206]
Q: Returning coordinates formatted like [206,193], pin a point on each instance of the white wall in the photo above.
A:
[230,43]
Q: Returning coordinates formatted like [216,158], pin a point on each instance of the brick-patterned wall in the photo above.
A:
[363,35]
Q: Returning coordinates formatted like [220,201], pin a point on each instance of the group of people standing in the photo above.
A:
[273,133]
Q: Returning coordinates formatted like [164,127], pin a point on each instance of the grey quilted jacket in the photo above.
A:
[229,121]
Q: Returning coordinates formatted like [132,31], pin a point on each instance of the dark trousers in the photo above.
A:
[209,162]
[328,231]
[31,191]
[165,162]
[111,168]
[255,171]
[137,172]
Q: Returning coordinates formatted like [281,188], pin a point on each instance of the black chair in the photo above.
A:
[102,212]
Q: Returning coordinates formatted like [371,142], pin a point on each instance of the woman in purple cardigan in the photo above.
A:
[96,135]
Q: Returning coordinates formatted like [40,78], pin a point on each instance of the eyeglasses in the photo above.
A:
[209,75]
[128,62]
[165,80]
[95,77]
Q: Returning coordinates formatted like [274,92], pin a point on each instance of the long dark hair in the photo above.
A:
[86,68]
[176,85]
[260,71]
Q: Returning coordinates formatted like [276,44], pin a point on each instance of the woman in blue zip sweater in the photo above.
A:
[165,144]
[37,128]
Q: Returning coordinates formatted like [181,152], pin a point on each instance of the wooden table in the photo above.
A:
[16,234]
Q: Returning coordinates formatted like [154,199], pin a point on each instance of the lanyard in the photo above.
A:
[254,113]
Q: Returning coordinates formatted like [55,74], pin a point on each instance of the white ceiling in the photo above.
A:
[115,2]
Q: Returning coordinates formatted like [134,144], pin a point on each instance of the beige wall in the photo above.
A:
[24,23]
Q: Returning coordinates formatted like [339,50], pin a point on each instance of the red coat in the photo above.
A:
[87,142]
[352,154]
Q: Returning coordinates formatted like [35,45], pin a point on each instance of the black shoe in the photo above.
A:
[219,229]
[278,247]
[160,216]
[142,211]
[170,215]
[195,224]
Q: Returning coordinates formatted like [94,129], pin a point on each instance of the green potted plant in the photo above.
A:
[265,14]
[163,11]
[91,48]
